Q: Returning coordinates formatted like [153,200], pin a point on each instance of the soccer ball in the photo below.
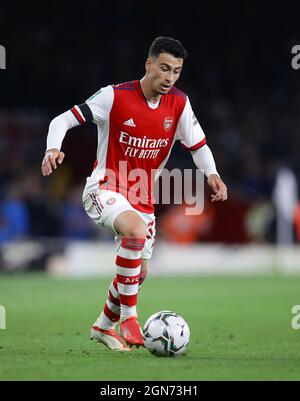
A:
[166,334]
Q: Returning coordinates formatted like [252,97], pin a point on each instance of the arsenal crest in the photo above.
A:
[168,121]
[110,201]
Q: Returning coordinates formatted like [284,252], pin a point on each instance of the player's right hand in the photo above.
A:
[52,157]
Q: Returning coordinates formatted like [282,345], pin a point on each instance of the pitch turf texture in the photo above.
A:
[240,329]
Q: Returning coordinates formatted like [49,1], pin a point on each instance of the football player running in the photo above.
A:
[138,123]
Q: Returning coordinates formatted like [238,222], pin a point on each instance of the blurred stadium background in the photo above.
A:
[244,92]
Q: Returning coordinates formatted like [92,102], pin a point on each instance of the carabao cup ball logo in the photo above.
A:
[168,121]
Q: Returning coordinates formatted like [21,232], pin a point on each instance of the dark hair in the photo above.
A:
[164,44]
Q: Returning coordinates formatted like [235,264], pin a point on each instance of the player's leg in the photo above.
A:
[149,223]
[113,212]
[110,209]
[130,226]
[129,327]
[102,207]
[110,314]
[144,271]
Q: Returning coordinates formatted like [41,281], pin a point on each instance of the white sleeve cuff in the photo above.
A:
[204,160]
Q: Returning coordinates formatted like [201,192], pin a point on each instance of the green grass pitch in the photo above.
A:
[240,329]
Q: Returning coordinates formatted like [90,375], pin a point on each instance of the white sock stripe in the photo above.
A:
[114,308]
[114,292]
[127,254]
[104,322]
[127,311]
[128,272]
[128,289]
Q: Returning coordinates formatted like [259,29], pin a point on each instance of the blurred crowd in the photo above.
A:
[239,79]
[32,206]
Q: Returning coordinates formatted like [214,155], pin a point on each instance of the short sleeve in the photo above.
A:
[188,130]
[101,103]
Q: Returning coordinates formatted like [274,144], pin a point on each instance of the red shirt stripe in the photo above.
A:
[77,115]
[197,146]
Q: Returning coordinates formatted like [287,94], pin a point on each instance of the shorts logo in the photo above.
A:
[168,121]
[111,201]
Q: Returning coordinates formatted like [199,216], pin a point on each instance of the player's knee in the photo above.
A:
[129,224]
[137,231]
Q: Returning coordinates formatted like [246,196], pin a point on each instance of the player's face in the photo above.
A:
[163,72]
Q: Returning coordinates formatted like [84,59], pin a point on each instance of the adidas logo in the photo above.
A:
[130,123]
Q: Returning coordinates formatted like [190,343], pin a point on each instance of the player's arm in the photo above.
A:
[204,160]
[56,133]
[95,109]
[192,137]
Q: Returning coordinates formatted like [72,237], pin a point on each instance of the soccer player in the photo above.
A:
[138,123]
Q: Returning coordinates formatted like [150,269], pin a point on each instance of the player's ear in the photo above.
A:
[148,64]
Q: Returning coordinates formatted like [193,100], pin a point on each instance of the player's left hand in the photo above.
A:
[52,157]
[218,187]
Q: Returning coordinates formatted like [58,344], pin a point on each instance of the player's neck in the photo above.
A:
[150,95]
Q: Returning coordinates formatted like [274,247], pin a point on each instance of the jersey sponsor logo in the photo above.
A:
[143,142]
[142,148]
[168,122]
[130,123]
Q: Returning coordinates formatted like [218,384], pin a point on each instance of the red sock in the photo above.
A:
[128,274]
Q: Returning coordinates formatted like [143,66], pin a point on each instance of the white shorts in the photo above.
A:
[103,206]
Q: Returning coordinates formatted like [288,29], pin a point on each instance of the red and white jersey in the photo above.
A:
[135,138]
